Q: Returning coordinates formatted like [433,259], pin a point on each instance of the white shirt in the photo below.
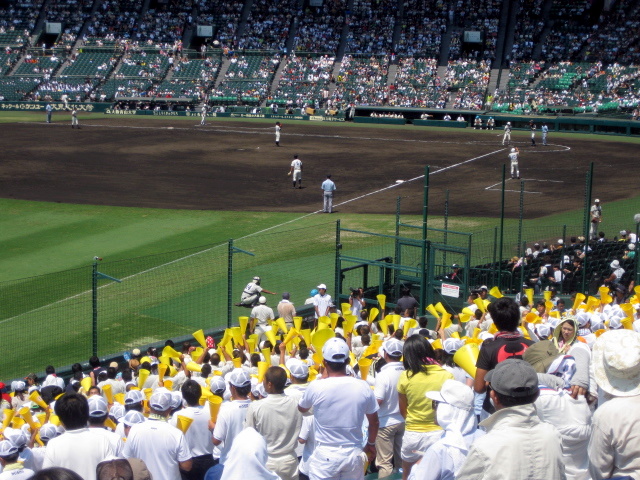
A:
[513,157]
[387,391]
[251,289]
[263,314]
[160,446]
[351,397]
[296,164]
[112,437]
[229,424]
[78,450]
[198,436]
[322,302]
[278,420]
[16,472]
[53,380]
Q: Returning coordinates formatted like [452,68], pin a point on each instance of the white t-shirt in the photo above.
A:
[339,406]
[16,472]
[78,450]
[114,438]
[278,420]
[229,424]
[53,380]
[198,436]
[387,391]
[322,302]
[262,313]
[160,446]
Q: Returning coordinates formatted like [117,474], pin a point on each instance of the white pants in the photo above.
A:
[297,175]
[74,121]
[414,444]
[507,137]
[336,463]
[285,466]
[327,206]
[514,169]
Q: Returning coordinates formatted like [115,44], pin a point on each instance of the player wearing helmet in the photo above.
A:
[251,293]
[507,134]
[513,156]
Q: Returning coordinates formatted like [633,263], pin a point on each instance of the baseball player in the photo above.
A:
[544,130]
[532,127]
[491,123]
[507,134]
[252,293]
[278,126]
[513,156]
[296,171]
[74,118]
[204,114]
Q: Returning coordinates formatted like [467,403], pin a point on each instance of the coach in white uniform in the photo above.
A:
[296,171]
[340,404]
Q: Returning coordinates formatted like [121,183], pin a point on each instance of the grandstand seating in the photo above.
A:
[90,64]
[268,25]
[362,80]
[303,80]
[320,28]
[143,65]
[223,16]
[249,77]
[416,84]
[16,88]
[371,27]
[113,89]
[6,62]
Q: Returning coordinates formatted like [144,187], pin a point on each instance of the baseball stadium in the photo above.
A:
[143,183]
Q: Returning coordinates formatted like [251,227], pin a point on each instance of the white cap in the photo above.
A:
[216,384]
[298,368]
[452,345]
[393,347]
[18,386]
[632,246]
[16,436]
[513,150]
[597,200]
[117,411]
[262,300]
[48,431]
[322,285]
[136,352]
[335,350]
[132,418]
[560,241]
[160,401]
[615,264]
[97,406]
[239,378]
[133,396]
[7,448]
[455,393]
[176,400]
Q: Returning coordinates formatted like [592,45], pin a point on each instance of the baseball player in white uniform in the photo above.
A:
[296,171]
[513,156]
[278,126]
[532,127]
[204,114]
[545,131]
[74,118]
[252,293]
[507,134]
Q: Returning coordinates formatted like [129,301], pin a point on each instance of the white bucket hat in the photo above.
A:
[616,361]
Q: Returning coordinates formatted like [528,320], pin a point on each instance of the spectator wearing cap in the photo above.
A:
[46,432]
[12,469]
[278,420]
[52,378]
[79,448]
[98,414]
[322,301]
[131,418]
[455,414]
[596,218]
[260,316]
[299,376]
[422,374]
[19,439]
[389,439]
[117,386]
[162,447]
[614,444]
[230,421]
[198,436]
[513,429]
[19,394]
[286,309]
[340,404]
[615,275]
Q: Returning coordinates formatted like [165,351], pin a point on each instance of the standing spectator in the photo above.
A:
[322,301]
[98,414]
[247,458]
[260,316]
[407,301]
[328,187]
[422,374]
[198,437]
[286,309]
[162,447]
[596,218]
[545,131]
[339,437]
[278,420]
[78,449]
[389,440]
[614,444]
[514,428]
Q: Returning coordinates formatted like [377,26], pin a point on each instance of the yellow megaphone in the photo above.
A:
[364,364]
[627,323]
[592,304]
[119,398]
[266,353]
[492,329]
[194,367]
[214,407]
[236,334]
[547,295]
[554,314]
[37,399]
[17,422]
[529,293]
[226,338]
[384,326]
[282,325]
[432,310]
[164,360]
[580,297]
[317,358]
[143,374]
[320,337]
[532,317]
[349,323]
[464,317]
[548,306]
[382,301]
[334,320]
[197,352]
[466,358]
[408,325]
[480,303]
[396,321]
[324,320]
[291,334]
[628,309]
[495,292]
[605,298]
[271,336]
[170,352]
[313,373]
[346,308]
[25,413]
[199,336]
[107,389]
[437,344]
[297,322]
[55,420]
[251,343]
[184,423]
[373,314]
[243,322]
[168,384]
[306,334]
[110,424]
[262,369]
[86,383]
[446,321]
[440,308]
[476,332]
[237,362]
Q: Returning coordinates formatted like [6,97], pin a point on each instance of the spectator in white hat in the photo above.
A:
[131,418]
[616,273]
[79,448]
[615,445]
[322,301]
[513,429]
[198,436]
[248,458]
[389,439]
[47,432]
[19,439]
[231,416]
[159,445]
[260,316]
[299,376]
[98,414]
[455,414]
[278,420]
[340,404]
[11,468]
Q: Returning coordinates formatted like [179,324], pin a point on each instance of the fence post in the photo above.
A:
[446,225]
[520,217]
[336,267]
[425,206]
[587,222]
[504,173]
[229,281]
[94,299]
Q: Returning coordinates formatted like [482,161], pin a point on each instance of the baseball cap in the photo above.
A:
[16,436]
[597,200]
[48,431]
[160,400]
[615,264]
[136,352]
[239,378]
[133,396]
[176,400]
[454,393]
[7,448]
[18,386]
[117,411]
[335,350]
[133,417]
[393,347]
[298,369]
[321,286]
[452,345]
[97,406]
[262,300]
[514,378]
[217,384]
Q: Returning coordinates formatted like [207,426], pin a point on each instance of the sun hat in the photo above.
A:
[615,264]
[454,393]
[335,350]
[513,378]
[616,362]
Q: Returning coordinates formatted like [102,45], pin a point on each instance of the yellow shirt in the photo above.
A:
[420,414]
